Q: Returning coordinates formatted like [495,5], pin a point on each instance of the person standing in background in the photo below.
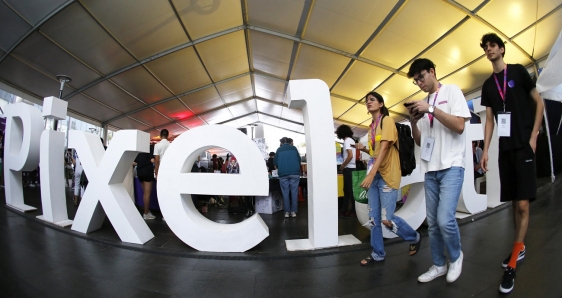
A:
[476,158]
[344,132]
[288,162]
[269,163]
[1,158]
[77,174]
[159,150]
[145,173]
[68,169]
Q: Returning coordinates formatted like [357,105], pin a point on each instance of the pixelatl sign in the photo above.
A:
[28,143]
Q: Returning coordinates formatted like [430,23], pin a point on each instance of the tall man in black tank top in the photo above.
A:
[511,98]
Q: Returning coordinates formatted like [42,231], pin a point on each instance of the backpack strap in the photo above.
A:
[398,138]
[381,132]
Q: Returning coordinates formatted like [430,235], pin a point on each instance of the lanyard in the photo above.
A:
[502,94]
[434,100]
[374,135]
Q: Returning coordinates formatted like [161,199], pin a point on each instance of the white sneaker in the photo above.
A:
[148,216]
[293,214]
[286,214]
[432,273]
[455,269]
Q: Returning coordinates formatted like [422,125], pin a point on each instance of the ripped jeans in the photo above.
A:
[382,203]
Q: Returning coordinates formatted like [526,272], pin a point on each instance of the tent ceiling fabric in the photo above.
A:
[179,64]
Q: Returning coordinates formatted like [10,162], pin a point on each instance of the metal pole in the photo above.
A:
[62,79]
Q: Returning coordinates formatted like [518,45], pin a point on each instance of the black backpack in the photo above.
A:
[407,149]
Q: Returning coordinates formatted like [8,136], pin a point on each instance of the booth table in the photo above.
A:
[273,187]
[273,202]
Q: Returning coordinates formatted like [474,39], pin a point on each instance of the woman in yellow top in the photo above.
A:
[383,180]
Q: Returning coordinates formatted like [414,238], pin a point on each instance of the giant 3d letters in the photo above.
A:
[313,97]
[53,199]
[106,171]
[24,125]
[106,194]
[176,184]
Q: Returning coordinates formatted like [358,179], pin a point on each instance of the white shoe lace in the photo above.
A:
[433,271]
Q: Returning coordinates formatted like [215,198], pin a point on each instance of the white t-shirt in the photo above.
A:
[161,147]
[449,147]
[347,145]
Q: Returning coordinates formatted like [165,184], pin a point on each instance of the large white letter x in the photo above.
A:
[106,172]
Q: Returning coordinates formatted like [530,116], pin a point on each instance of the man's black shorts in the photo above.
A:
[518,174]
[146,178]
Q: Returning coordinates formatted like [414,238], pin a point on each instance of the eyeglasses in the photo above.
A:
[420,78]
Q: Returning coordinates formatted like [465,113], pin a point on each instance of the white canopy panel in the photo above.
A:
[179,64]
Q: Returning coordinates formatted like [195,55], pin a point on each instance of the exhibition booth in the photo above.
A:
[269,204]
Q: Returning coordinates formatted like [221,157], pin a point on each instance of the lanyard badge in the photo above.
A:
[504,119]
[373,135]
[502,93]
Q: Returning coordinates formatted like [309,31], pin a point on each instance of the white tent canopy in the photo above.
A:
[180,64]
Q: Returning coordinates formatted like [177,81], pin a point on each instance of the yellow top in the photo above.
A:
[390,166]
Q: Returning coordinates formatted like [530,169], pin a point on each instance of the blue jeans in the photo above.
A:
[290,183]
[442,191]
[382,203]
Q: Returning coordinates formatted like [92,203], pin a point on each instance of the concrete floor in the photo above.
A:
[39,260]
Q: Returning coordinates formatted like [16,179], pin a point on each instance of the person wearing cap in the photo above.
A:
[288,161]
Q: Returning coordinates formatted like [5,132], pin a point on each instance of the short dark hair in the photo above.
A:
[420,64]
[271,153]
[283,140]
[384,109]
[164,133]
[344,131]
[289,141]
[492,38]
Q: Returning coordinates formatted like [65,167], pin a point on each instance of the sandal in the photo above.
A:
[414,248]
[367,261]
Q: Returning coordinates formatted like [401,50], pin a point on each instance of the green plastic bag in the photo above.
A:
[359,193]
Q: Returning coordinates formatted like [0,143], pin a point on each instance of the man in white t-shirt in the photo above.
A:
[159,150]
[438,127]
[347,168]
